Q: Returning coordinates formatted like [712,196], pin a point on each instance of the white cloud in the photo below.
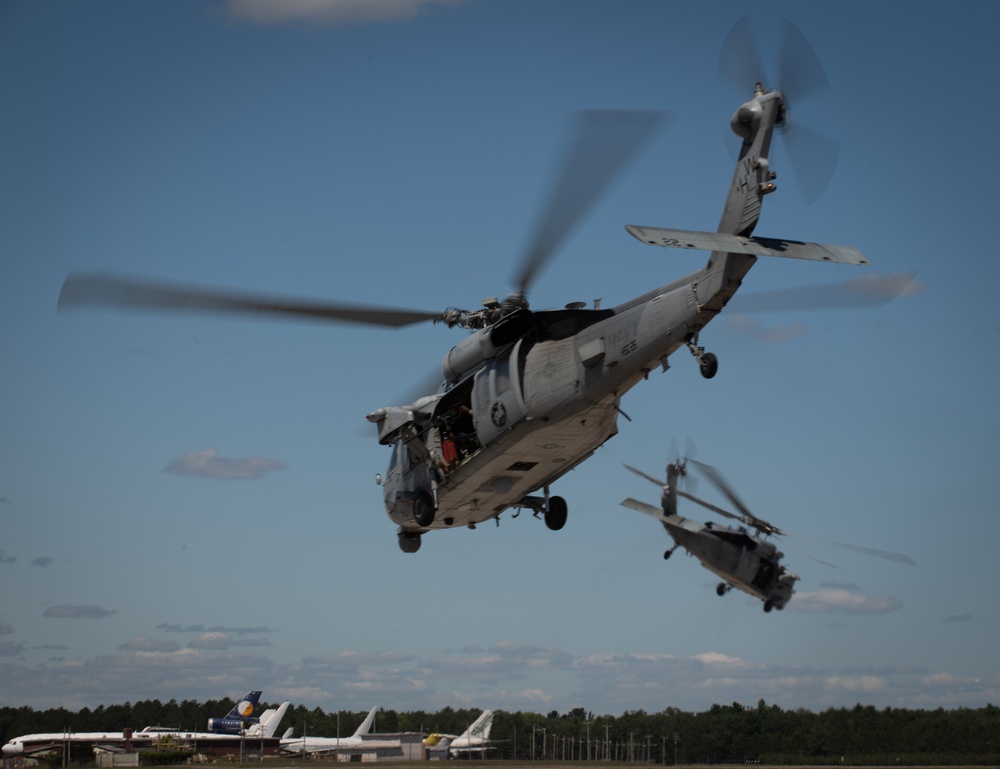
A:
[69,611]
[843,599]
[331,12]
[215,639]
[144,643]
[208,464]
[602,682]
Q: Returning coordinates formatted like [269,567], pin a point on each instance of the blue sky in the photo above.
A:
[187,504]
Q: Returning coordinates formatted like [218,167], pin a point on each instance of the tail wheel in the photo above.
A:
[555,515]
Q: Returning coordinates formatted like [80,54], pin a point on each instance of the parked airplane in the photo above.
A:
[356,744]
[238,718]
[150,737]
[475,739]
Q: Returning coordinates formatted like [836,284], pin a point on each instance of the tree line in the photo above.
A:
[862,735]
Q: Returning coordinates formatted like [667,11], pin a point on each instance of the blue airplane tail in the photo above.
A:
[236,719]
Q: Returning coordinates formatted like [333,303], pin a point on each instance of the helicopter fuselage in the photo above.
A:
[533,413]
[744,561]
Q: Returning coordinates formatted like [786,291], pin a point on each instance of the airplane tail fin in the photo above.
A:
[288,733]
[480,729]
[366,725]
[235,720]
[270,719]
[485,725]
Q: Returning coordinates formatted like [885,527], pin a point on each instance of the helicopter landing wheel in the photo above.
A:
[721,589]
[423,509]
[708,364]
[555,515]
[409,541]
[768,605]
[667,554]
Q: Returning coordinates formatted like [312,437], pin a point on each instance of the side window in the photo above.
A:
[501,375]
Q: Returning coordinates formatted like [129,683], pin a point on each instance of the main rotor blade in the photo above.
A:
[709,505]
[715,477]
[86,289]
[885,554]
[650,478]
[604,142]
[865,291]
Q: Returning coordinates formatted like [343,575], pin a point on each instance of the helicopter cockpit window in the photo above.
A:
[402,454]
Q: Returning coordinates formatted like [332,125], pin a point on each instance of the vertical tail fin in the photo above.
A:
[236,719]
[752,180]
[366,725]
[270,719]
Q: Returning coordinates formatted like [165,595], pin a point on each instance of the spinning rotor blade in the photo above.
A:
[715,477]
[867,291]
[884,554]
[605,140]
[800,74]
[739,61]
[813,154]
[650,478]
[82,289]
[814,160]
[709,506]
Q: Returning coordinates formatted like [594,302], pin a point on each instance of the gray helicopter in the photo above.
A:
[528,395]
[740,555]
[742,559]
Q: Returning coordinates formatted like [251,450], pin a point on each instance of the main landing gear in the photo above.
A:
[553,509]
[707,362]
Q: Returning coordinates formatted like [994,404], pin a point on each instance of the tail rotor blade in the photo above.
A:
[814,157]
[739,62]
[801,73]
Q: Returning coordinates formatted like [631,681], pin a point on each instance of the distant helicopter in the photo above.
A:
[528,395]
[743,559]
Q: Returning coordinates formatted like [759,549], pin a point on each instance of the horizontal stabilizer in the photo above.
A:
[735,244]
[642,507]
